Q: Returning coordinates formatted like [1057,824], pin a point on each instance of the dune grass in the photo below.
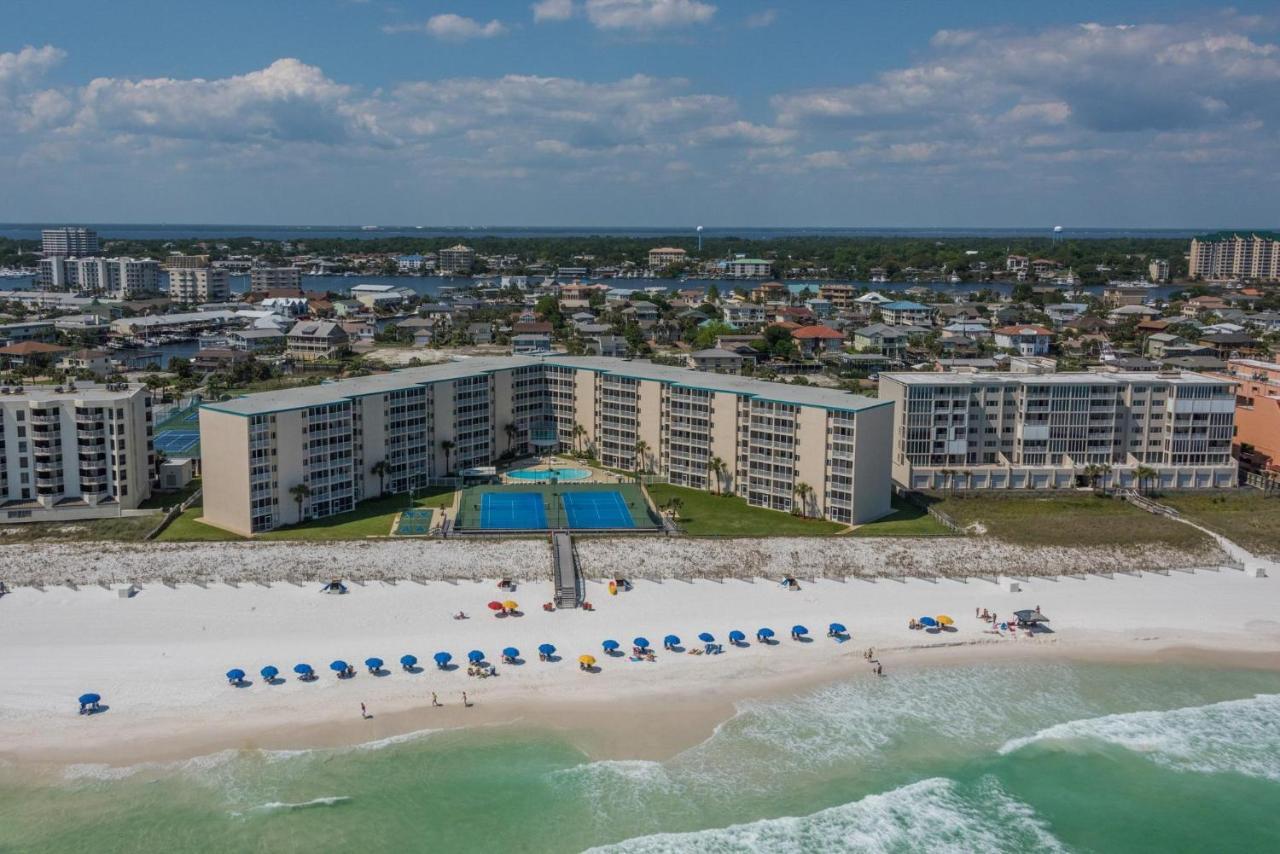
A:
[706,515]
[1249,518]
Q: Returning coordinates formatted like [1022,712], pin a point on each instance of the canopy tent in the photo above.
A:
[1028,616]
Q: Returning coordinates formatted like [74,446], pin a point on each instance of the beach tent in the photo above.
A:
[374,664]
[510,653]
[736,637]
[303,669]
[475,656]
[235,675]
[546,649]
[1029,617]
[610,645]
[407,661]
[442,659]
[670,641]
[269,672]
[707,637]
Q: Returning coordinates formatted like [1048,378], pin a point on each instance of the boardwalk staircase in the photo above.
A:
[565,570]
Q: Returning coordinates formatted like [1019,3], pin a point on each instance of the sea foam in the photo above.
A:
[930,815]
[1240,736]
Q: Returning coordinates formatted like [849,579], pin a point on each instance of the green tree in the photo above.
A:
[300,492]
[380,469]
[447,445]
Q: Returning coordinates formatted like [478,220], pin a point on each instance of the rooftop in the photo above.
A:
[1064,378]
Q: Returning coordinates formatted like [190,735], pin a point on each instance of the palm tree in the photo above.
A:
[300,492]
[447,445]
[804,492]
[578,432]
[642,448]
[380,468]
[967,475]
[1143,474]
[1104,474]
[946,479]
[512,431]
[716,467]
[675,505]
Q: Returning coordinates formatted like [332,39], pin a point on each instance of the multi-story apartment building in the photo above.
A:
[1041,431]
[118,278]
[74,453]
[1224,256]
[1257,439]
[456,260]
[665,256]
[1158,270]
[748,268]
[777,446]
[263,279]
[192,279]
[79,242]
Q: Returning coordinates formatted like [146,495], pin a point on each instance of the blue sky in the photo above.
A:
[641,112]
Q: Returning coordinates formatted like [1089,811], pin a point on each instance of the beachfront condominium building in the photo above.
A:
[1051,430]
[117,278]
[748,268]
[1257,439]
[192,279]
[263,279]
[456,260]
[77,452]
[820,451]
[1225,256]
[68,241]
[665,256]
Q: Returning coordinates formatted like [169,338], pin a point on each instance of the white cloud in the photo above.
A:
[27,64]
[761,19]
[451,27]
[647,15]
[742,133]
[553,10]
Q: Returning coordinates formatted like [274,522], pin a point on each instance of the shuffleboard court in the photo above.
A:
[512,510]
[414,523]
[601,509]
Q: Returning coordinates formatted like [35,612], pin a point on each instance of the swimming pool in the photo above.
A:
[548,475]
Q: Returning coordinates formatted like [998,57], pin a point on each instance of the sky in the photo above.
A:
[802,113]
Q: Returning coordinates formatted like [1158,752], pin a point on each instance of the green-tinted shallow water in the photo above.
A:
[1026,757]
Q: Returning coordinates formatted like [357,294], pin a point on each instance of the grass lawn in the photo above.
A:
[704,514]
[371,518]
[1081,519]
[160,500]
[1247,518]
[906,520]
[118,529]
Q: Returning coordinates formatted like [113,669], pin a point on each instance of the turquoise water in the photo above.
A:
[1058,757]
[546,475]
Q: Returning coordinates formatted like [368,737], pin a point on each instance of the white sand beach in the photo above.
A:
[159,657]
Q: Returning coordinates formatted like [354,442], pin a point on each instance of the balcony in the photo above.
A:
[48,481]
[91,433]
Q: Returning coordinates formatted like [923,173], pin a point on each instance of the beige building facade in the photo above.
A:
[77,452]
[784,447]
[1045,431]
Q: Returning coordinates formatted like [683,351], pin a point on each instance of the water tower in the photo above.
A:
[1057,233]
[699,230]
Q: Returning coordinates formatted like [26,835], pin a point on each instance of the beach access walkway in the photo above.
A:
[564,566]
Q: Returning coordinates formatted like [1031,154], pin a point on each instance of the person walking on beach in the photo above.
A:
[364,713]
[466,704]
[879,669]
[434,701]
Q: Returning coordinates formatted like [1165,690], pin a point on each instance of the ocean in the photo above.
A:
[1043,757]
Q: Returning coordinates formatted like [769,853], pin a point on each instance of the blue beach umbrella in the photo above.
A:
[764,633]
[706,637]
[475,656]
[235,674]
[269,672]
[442,659]
[408,660]
[736,636]
[511,652]
[546,649]
[373,663]
[928,621]
[89,699]
[338,666]
[837,628]
[799,630]
[641,642]
[610,645]
[302,669]
[671,640]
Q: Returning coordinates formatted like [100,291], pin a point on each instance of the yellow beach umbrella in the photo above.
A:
[588,660]
[944,620]
[510,605]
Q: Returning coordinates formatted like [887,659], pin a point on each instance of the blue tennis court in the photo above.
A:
[597,509]
[512,510]
[192,416]
[176,441]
